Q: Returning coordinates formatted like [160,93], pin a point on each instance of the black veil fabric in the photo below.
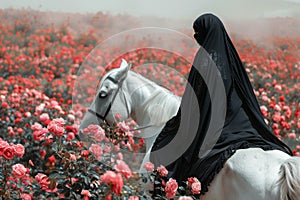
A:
[244,125]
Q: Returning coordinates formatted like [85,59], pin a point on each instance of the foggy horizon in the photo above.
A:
[231,9]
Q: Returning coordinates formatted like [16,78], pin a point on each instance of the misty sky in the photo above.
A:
[183,9]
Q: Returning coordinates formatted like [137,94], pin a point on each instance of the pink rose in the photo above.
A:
[43,181]
[44,117]
[40,134]
[118,116]
[19,171]
[36,126]
[123,168]
[133,198]
[59,121]
[118,184]
[86,193]
[276,117]
[71,136]
[149,166]
[265,98]
[123,126]
[114,179]
[163,172]
[292,135]
[40,108]
[8,152]
[56,128]
[196,187]
[25,196]
[96,150]
[92,129]
[73,157]
[19,150]
[171,188]
[27,114]
[191,180]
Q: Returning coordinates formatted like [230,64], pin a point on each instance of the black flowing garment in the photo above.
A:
[243,127]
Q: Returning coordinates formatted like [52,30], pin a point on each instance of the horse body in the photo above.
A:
[255,174]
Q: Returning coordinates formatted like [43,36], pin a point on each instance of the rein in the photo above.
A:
[110,105]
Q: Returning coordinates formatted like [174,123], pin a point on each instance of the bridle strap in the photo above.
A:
[110,105]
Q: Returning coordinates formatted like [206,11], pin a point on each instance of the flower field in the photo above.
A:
[41,155]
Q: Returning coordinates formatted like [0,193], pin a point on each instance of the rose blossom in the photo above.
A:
[73,157]
[192,180]
[8,152]
[123,168]
[123,126]
[96,150]
[19,171]
[116,180]
[40,134]
[36,126]
[149,166]
[171,188]
[56,127]
[196,187]
[19,150]
[162,171]
[44,117]
[52,159]
[71,136]
[26,196]
[133,198]
[120,156]
[292,135]
[86,193]
[42,179]
[3,145]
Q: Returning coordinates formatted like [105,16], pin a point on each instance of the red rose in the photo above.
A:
[52,159]
[8,152]
[3,145]
[19,150]
[123,168]
[4,105]
[171,188]
[163,172]
[18,171]
[196,187]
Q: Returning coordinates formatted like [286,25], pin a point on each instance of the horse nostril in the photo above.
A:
[102,94]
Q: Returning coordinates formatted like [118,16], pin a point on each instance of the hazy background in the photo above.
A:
[182,9]
[249,18]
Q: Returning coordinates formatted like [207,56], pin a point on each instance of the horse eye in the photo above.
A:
[102,94]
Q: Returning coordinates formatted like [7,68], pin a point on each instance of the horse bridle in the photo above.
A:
[99,116]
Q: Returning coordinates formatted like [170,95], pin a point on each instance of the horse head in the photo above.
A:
[111,98]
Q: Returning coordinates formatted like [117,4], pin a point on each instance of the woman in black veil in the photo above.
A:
[243,127]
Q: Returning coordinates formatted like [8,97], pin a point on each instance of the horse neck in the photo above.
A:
[151,104]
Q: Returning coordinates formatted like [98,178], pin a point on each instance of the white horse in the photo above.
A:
[131,95]
[255,174]
[250,174]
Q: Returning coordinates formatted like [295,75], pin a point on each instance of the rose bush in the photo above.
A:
[43,155]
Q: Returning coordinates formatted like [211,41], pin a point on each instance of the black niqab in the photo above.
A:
[244,125]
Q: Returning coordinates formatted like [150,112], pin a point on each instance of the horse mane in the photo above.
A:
[289,179]
[161,105]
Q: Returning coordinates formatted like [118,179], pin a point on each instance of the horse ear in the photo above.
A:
[123,70]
